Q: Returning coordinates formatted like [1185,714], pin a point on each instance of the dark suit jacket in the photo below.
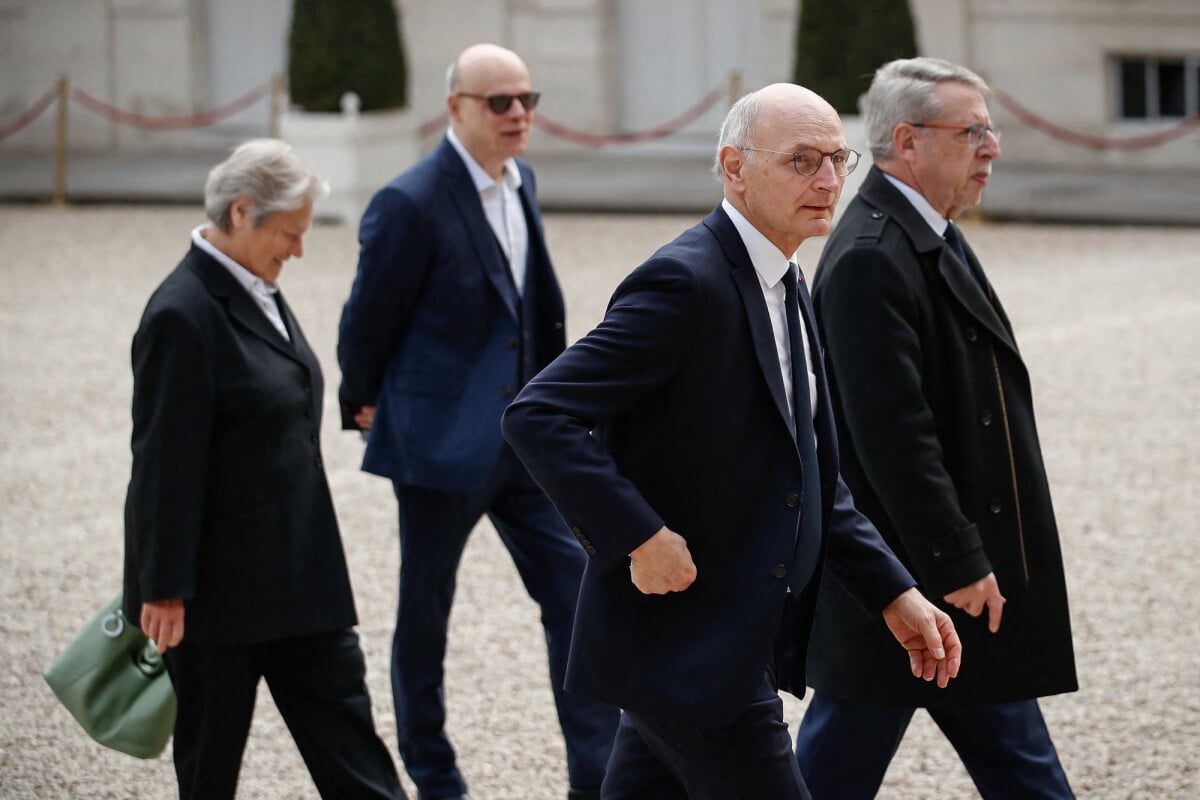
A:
[940,448]
[681,385]
[433,333]
[228,506]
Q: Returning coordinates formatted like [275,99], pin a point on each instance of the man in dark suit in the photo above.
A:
[455,305]
[940,449]
[230,531]
[689,442]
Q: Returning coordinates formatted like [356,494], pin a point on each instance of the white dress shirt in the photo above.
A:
[502,207]
[770,265]
[260,291]
[927,212]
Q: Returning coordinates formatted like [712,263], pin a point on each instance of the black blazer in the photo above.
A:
[681,385]
[940,448]
[433,334]
[228,505]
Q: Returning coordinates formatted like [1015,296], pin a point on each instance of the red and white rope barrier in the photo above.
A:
[149,123]
[30,114]
[1090,140]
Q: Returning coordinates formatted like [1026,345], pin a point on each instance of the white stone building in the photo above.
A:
[1095,96]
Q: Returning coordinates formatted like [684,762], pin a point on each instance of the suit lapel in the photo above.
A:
[746,280]
[470,207]
[238,303]
[879,192]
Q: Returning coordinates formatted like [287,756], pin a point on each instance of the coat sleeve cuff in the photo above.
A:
[955,560]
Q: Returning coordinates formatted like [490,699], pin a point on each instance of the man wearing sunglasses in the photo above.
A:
[454,307]
[938,444]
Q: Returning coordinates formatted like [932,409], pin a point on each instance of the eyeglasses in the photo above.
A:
[808,161]
[975,133]
[500,103]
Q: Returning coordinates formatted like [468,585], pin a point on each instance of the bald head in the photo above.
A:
[755,162]
[477,62]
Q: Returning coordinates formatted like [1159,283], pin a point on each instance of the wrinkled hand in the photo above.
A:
[365,417]
[162,621]
[662,564]
[927,633]
[972,599]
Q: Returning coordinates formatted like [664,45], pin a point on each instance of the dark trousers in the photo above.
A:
[844,748]
[662,759]
[434,527]
[318,684]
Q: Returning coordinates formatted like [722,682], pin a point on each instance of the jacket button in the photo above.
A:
[972,334]
[506,392]
[512,342]
[877,215]
[985,419]
[792,500]
[778,571]
[995,507]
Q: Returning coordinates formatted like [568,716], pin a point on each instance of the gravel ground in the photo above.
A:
[1107,318]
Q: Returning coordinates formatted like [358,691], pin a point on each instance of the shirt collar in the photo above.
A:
[769,263]
[927,212]
[248,280]
[479,176]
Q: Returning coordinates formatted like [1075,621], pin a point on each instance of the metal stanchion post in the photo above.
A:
[60,143]
[735,86]
[277,92]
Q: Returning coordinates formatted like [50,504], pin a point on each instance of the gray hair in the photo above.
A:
[737,129]
[269,173]
[903,91]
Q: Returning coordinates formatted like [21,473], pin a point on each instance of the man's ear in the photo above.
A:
[904,141]
[732,162]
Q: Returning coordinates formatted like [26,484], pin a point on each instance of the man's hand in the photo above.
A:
[972,599]
[365,417]
[662,564]
[928,634]
[162,621]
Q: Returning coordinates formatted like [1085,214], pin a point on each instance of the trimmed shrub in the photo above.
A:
[339,46]
[840,44]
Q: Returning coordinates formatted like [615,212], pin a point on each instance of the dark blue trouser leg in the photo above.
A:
[667,759]
[1007,750]
[844,748]
[434,527]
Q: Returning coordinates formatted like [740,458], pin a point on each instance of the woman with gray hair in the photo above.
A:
[233,561]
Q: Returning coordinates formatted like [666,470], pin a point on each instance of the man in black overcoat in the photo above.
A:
[939,447]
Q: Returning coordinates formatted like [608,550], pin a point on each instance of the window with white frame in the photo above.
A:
[1157,87]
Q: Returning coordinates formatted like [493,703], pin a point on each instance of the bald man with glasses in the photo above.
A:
[454,307]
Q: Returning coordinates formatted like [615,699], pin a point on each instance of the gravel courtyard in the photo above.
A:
[1108,319]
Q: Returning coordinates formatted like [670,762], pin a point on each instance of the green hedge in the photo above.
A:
[840,44]
[339,46]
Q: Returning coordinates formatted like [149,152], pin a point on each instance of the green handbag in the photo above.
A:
[114,682]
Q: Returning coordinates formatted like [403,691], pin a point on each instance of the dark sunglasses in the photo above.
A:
[500,103]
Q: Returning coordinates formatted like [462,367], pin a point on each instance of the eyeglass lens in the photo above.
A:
[500,103]
[808,161]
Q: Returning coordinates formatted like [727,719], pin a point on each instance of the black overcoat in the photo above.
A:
[939,446]
[228,504]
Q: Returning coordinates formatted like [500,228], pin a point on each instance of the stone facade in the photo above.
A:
[606,67]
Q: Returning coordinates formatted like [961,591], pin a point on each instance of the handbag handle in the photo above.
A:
[148,660]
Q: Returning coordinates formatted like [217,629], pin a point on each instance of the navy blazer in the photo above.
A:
[433,334]
[672,411]
[228,504]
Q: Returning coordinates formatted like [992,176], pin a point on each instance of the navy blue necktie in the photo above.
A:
[809,535]
[954,239]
